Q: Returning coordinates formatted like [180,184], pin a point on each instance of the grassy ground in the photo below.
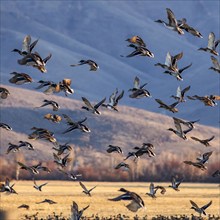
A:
[64,193]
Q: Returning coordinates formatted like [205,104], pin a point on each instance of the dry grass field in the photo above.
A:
[63,192]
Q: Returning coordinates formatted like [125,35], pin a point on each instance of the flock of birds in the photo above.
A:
[62,151]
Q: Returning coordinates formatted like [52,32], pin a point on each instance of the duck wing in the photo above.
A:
[47,58]
[83,186]
[87,103]
[215,62]
[184,68]
[211,41]
[99,104]
[171,18]
[194,204]
[206,206]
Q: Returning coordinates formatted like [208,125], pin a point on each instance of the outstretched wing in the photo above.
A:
[194,204]
[83,186]
[206,206]
[87,103]
[100,103]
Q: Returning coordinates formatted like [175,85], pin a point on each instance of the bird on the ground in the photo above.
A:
[39,187]
[62,148]
[6,187]
[153,190]
[85,190]
[49,201]
[173,24]
[216,64]
[179,131]
[76,214]
[26,144]
[136,40]
[204,141]
[175,183]
[93,65]
[171,107]
[139,51]
[198,209]
[24,206]
[171,62]
[75,125]
[54,104]
[113,100]
[70,175]
[122,164]
[54,118]
[178,73]
[183,25]
[136,201]
[27,46]
[180,94]
[20,78]
[92,108]
[35,60]
[62,162]
[13,148]
[112,148]
[5,126]
[212,45]
[4,93]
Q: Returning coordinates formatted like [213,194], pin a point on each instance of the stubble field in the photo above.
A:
[63,192]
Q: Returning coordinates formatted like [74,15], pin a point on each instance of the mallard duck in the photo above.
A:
[212,45]
[177,74]
[180,94]
[44,83]
[205,141]
[62,162]
[200,210]
[175,183]
[196,164]
[171,107]
[20,78]
[26,144]
[113,100]
[54,118]
[40,167]
[216,64]
[139,51]
[24,206]
[112,148]
[136,40]
[75,125]
[207,100]
[4,93]
[7,188]
[39,187]
[89,107]
[65,86]
[153,190]
[31,169]
[122,164]
[136,201]
[27,46]
[183,25]
[179,131]
[54,104]
[13,148]
[85,190]
[93,65]
[204,157]
[63,148]
[76,214]
[172,25]
[5,126]
[72,176]
[49,201]
[35,60]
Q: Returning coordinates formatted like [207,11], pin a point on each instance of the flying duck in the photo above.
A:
[171,107]
[31,169]
[122,164]
[112,148]
[216,64]
[175,183]
[62,148]
[12,147]
[183,25]
[153,190]
[24,206]
[204,157]
[40,167]
[54,118]
[62,162]
[207,100]
[113,100]
[139,51]
[54,104]
[39,187]
[7,188]
[20,78]
[5,126]
[65,86]
[35,60]
[27,46]
[136,40]
[136,201]
[216,173]
[89,107]
[173,24]
[177,74]
[76,214]
[93,65]
[205,141]
[196,164]
[179,131]
[44,83]
[72,176]
[85,190]
[212,45]
[75,125]
[49,201]
[180,94]
[26,144]
[200,210]
[4,93]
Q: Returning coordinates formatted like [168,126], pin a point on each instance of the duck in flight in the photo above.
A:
[54,104]
[93,65]
[112,148]
[5,126]
[136,40]
[4,93]
[139,51]
[204,141]
[171,107]
[6,187]
[76,214]
[153,190]
[85,190]
[20,78]
[216,64]
[200,210]
[39,187]
[180,94]
[175,183]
